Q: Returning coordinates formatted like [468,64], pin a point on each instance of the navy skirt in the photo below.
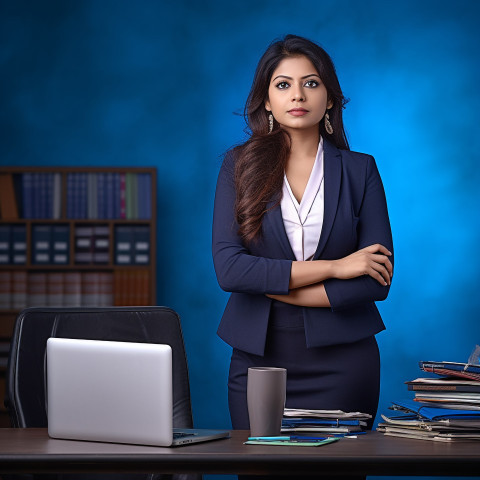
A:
[338,377]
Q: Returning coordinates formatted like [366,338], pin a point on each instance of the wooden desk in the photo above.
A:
[32,451]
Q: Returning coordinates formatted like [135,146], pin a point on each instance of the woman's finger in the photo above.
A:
[377,276]
[385,261]
[377,248]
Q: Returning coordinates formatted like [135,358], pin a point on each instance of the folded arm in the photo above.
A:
[361,277]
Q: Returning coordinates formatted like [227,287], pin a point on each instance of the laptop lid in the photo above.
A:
[109,391]
[114,392]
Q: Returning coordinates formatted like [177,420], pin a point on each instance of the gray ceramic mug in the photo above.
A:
[266,391]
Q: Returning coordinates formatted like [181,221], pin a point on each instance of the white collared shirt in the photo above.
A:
[303,221]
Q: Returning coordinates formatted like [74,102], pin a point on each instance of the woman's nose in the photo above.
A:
[298,94]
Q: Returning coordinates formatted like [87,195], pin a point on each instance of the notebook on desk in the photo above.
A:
[114,392]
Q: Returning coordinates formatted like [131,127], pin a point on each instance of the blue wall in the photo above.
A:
[159,84]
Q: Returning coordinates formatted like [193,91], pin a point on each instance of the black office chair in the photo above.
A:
[25,390]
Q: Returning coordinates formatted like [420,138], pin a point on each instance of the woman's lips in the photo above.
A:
[298,112]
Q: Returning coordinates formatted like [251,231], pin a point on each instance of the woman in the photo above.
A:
[301,237]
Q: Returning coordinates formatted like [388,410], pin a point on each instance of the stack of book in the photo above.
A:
[324,422]
[109,195]
[445,407]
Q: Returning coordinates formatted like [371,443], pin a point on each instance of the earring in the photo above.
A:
[328,125]
[270,123]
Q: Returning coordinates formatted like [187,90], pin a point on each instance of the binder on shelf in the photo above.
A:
[8,201]
[38,257]
[101,244]
[41,244]
[60,244]
[19,244]
[124,240]
[83,244]
[5,244]
[141,252]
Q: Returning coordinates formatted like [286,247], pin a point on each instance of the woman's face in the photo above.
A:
[297,97]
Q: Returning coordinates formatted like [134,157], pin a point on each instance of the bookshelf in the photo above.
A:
[74,236]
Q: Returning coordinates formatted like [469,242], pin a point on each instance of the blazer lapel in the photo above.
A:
[332,178]
[274,217]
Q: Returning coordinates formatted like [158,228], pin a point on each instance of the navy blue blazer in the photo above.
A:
[355,216]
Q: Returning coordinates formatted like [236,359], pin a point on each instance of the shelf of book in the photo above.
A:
[75,236]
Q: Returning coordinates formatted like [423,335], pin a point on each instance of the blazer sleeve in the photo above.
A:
[236,269]
[373,227]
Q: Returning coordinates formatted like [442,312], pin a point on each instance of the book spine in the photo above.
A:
[49,183]
[134,195]
[70,195]
[90,289]
[37,289]
[55,293]
[101,195]
[5,289]
[27,194]
[72,289]
[110,196]
[57,196]
[19,290]
[123,196]
[105,289]
[116,195]
[36,205]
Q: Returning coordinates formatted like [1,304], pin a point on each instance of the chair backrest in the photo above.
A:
[25,391]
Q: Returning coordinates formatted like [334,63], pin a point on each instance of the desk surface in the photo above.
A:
[32,451]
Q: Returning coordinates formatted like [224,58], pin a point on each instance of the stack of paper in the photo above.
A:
[328,422]
[444,408]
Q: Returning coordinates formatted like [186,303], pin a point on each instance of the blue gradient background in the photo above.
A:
[154,83]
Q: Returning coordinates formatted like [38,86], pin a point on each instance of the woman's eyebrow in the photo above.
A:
[290,78]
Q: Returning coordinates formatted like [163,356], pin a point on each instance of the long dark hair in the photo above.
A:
[260,161]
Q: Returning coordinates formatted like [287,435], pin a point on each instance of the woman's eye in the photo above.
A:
[311,83]
[282,85]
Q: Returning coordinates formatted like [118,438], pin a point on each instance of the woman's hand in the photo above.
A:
[372,260]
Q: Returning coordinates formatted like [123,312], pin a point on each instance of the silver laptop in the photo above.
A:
[114,392]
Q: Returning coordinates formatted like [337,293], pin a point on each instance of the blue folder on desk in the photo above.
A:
[433,413]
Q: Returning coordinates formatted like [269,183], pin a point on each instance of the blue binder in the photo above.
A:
[437,413]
